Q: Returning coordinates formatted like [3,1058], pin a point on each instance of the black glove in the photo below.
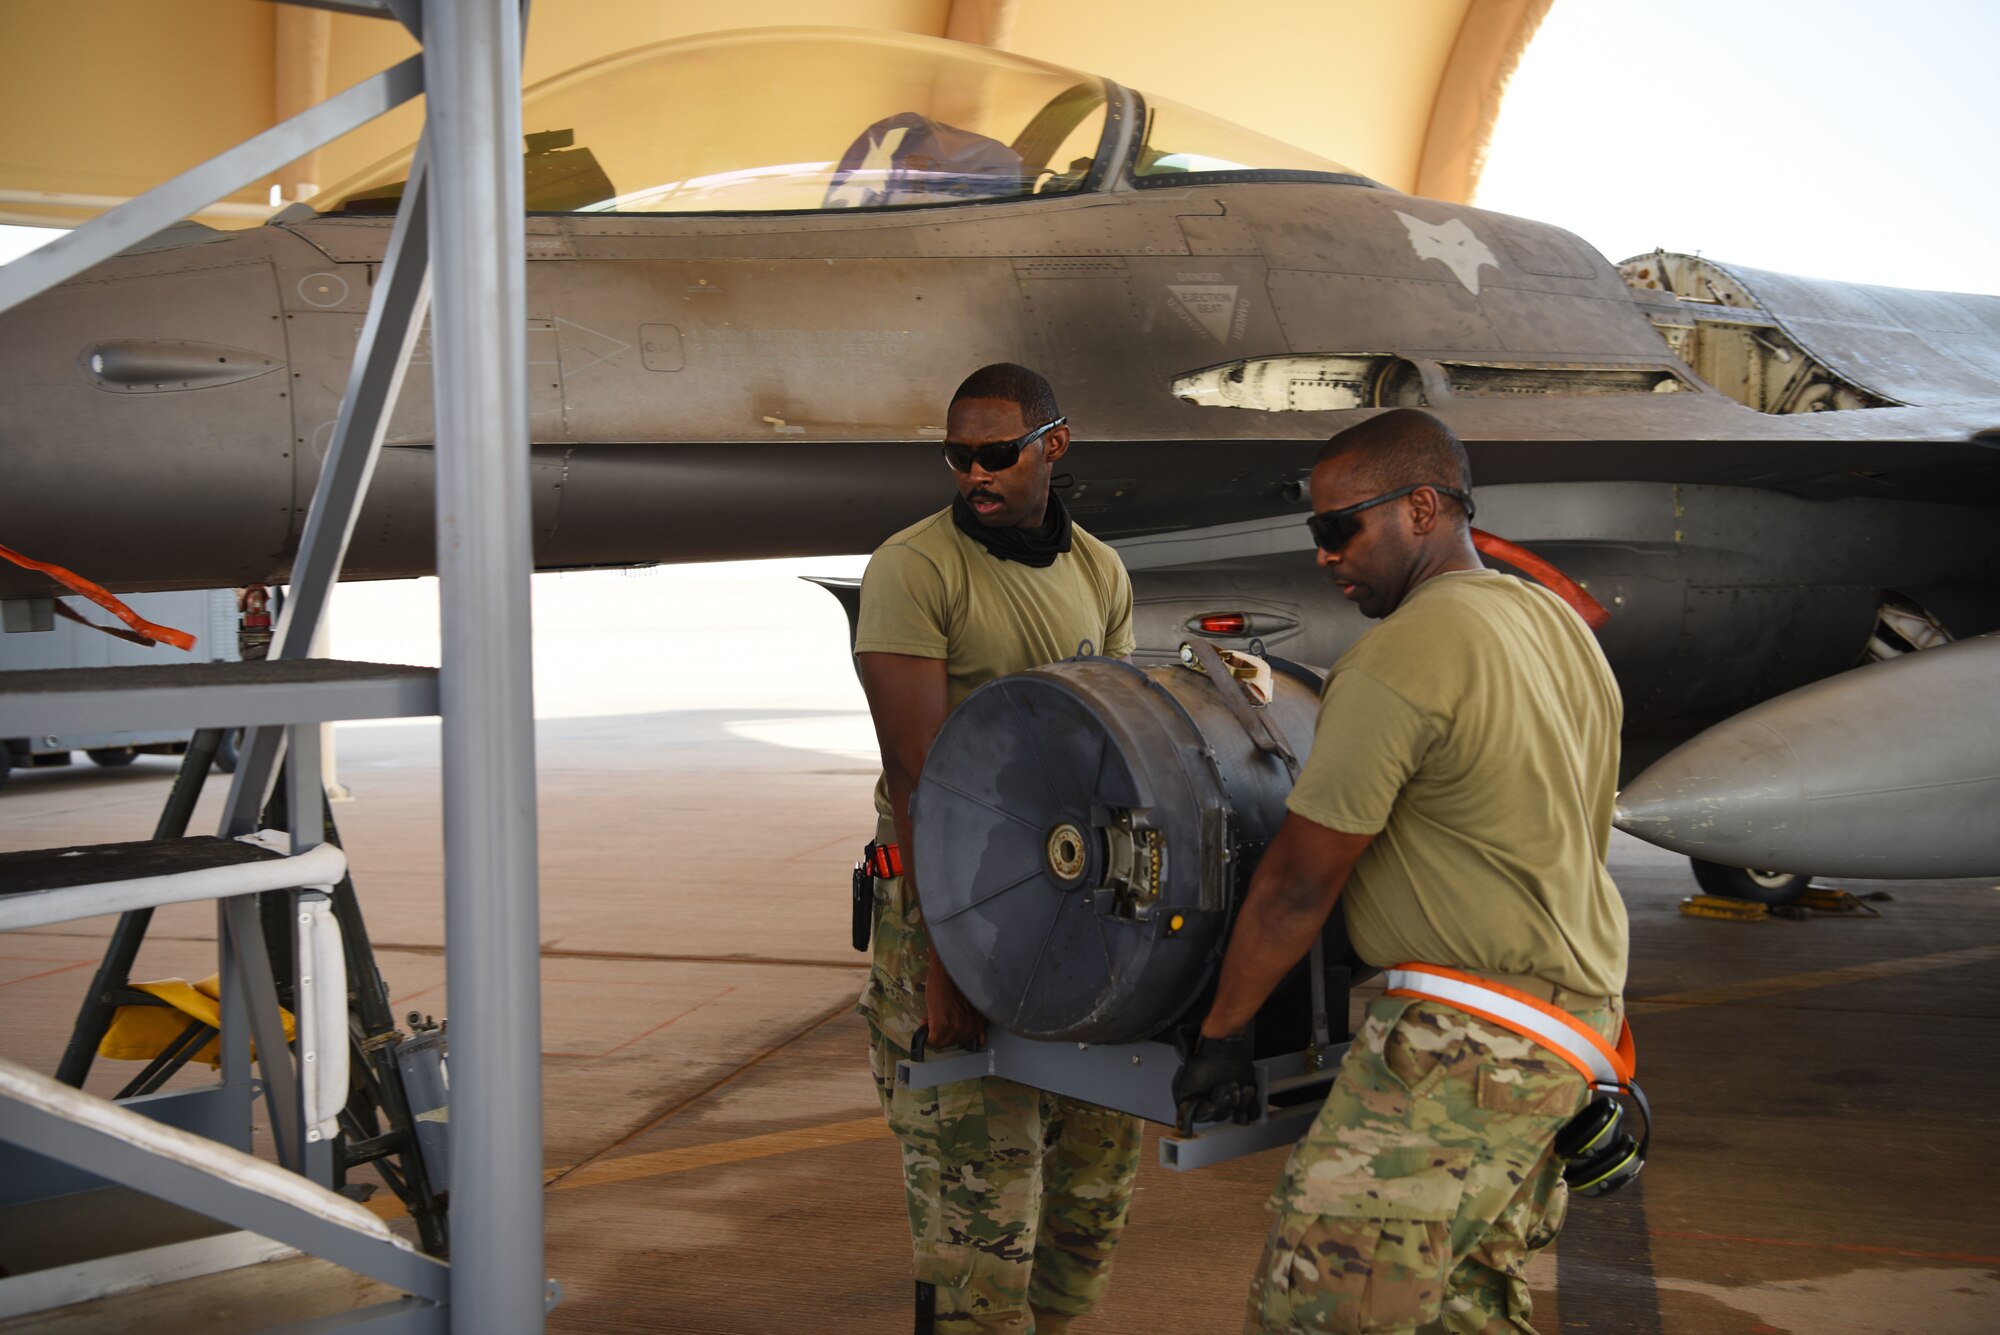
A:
[1217,1081]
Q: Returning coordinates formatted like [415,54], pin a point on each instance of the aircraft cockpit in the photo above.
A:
[793,120]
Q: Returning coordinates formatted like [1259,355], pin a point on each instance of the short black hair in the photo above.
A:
[1404,447]
[1028,390]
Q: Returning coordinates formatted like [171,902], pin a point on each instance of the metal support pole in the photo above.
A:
[472,67]
[305,805]
[329,770]
[375,381]
[257,759]
[252,982]
[233,1033]
[305,802]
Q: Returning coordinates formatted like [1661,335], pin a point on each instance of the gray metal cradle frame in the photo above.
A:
[465,188]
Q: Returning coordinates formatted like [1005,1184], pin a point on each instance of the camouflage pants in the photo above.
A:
[1425,1184]
[1016,1196]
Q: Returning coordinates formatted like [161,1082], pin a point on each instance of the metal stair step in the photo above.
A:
[84,864]
[43,886]
[211,695]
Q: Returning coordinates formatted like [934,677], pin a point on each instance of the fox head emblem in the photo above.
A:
[1453,245]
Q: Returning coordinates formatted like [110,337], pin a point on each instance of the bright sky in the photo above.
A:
[1846,139]
[1834,138]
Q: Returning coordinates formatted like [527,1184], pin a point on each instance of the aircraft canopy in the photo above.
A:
[821,119]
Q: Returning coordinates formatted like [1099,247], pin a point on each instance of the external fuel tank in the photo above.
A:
[1871,773]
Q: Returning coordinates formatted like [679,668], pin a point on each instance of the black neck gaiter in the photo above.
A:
[1038,547]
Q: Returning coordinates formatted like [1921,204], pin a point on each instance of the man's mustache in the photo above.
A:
[981,494]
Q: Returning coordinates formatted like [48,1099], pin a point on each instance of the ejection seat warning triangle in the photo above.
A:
[1210,307]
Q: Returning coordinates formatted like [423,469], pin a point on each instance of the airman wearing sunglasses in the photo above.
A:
[1016,1196]
[1455,806]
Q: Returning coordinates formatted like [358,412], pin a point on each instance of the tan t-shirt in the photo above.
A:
[932,592]
[1475,733]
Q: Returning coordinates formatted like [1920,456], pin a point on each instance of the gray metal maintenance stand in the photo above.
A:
[458,252]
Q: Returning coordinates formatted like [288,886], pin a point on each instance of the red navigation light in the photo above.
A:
[1223,623]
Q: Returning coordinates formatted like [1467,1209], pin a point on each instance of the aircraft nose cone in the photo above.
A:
[1735,795]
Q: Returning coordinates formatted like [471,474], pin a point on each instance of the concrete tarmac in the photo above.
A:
[716,1157]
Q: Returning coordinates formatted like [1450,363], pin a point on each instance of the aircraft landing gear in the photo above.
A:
[1764,887]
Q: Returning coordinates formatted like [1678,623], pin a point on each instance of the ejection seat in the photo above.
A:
[909,158]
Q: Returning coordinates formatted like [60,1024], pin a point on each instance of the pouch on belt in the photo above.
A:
[879,862]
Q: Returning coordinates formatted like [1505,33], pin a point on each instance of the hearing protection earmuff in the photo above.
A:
[1598,1154]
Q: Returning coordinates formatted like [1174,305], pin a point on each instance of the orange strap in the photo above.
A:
[1594,613]
[98,594]
[68,613]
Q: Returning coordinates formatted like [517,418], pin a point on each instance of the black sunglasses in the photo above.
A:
[997,457]
[1332,528]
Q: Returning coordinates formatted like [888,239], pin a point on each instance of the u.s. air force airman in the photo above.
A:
[1456,806]
[1016,1196]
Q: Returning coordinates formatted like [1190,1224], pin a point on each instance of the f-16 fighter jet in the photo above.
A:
[752,258]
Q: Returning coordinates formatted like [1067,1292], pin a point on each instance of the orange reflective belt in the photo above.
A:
[98,594]
[1532,1018]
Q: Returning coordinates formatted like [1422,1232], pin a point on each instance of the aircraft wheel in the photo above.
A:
[112,757]
[226,754]
[6,763]
[1765,887]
